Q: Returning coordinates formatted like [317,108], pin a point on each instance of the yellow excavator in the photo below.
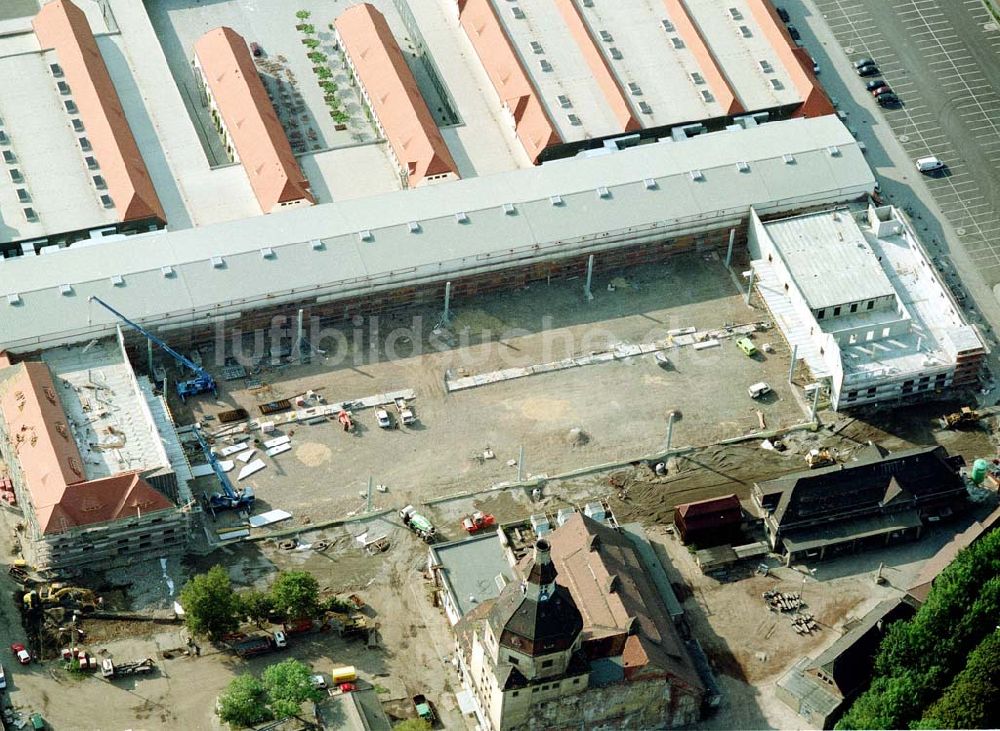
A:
[49,595]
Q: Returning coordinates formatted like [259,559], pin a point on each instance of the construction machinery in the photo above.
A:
[424,708]
[478,521]
[203,382]
[819,457]
[962,419]
[230,498]
[418,523]
[21,572]
[61,595]
[110,669]
[406,415]
[346,420]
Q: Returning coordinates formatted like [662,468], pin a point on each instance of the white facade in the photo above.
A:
[856,293]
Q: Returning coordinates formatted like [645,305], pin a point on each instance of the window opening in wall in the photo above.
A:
[871,304]
[854,307]
[836,311]
[821,314]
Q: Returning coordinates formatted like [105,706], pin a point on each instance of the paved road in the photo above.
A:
[942,57]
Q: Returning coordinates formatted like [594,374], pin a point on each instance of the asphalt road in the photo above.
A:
[942,57]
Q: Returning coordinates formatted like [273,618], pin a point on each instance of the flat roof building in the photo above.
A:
[469,572]
[591,70]
[668,195]
[391,93]
[858,296]
[252,133]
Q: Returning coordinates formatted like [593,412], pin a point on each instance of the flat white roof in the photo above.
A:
[739,53]
[829,259]
[45,154]
[650,60]
[567,75]
[341,249]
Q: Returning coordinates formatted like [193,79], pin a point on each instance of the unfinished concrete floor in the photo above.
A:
[620,406]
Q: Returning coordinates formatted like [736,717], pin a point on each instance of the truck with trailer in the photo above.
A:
[109,669]
[257,644]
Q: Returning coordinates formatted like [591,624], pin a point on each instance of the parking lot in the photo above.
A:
[619,408]
[939,56]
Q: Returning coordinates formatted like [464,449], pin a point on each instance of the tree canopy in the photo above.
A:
[413,724]
[211,607]
[295,594]
[244,702]
[257,606]
[288,687]
[929,670]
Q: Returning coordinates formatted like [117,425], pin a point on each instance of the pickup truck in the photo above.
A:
[406,415]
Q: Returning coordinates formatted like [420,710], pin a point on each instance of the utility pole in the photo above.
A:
[447,303]
[590,274]
[670,430]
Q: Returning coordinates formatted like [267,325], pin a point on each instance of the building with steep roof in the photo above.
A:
[569,74]
[393,98]
[581,636]
[877,499]
[709,522]
[96,468]
[250,128]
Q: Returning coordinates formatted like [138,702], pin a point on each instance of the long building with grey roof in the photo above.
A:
[681,189]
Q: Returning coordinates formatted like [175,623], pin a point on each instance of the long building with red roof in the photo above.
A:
[390,91]
[63,27]
[250,127]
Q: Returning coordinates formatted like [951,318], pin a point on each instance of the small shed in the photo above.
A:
[709,522]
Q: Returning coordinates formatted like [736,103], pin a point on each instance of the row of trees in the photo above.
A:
[214,608]
[938,670]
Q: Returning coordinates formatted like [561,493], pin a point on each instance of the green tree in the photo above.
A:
[309,29]
[244,702]
[257,605]
[312,44]
[295,594]
[303,15]
[288,687]
[973,698]
[413,724]
[211,607]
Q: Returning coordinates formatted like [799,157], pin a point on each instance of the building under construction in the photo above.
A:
[94,463]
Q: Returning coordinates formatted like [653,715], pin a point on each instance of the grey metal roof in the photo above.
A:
[471,567]
[829,259]
[552,210]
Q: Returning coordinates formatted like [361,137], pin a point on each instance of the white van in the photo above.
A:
[928,164]
[758,389]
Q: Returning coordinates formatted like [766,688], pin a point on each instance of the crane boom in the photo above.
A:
[204,381]
[231,498]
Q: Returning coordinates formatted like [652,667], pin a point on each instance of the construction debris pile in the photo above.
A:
[804,624]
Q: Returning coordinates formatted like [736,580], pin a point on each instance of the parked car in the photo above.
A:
[758,389]
[887,100]
[382,418]
[794,33]
[924,165]
[318,681]
[864,62]
[747,346]
[867,70]
[22,655]
[875,83]
[884,89]
[783,14]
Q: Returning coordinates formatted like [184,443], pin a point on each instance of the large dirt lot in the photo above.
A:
[619,407]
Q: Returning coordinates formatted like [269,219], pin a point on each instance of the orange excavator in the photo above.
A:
[344,417]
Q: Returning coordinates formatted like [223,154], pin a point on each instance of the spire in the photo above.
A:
[540,579]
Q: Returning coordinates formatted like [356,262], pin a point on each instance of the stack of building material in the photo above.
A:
[804,624]
[782,602]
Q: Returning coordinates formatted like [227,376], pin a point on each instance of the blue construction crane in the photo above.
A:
[230,498]
[203,383]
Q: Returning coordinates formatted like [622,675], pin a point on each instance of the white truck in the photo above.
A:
[406,415]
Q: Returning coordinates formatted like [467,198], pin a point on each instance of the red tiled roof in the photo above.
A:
[400,108]
[63,27]
[502,65]
[253,126]
[51,464]
[709,506]
[612,590]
